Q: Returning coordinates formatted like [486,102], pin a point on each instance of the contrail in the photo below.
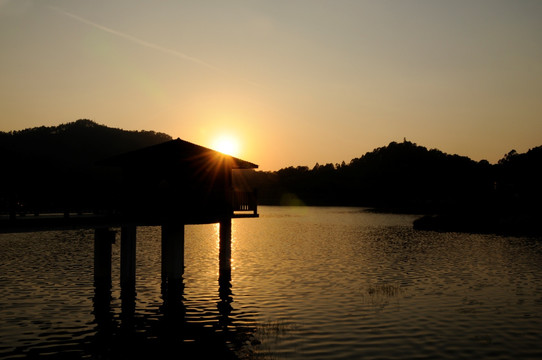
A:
[175,53]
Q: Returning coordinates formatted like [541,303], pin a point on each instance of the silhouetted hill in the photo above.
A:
[79,143]
[401,176]
[55,166]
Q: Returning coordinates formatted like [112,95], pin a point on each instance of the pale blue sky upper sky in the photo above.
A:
[297,81]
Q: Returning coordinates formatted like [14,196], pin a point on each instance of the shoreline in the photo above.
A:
[506,225]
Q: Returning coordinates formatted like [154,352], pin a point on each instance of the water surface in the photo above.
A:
[306,283]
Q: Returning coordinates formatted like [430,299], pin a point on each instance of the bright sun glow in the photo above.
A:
[226,144]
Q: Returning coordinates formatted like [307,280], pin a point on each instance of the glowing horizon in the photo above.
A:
[296,82]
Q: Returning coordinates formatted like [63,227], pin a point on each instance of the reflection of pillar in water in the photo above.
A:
[102,309]
[224,277]
[104,319]
[105,326]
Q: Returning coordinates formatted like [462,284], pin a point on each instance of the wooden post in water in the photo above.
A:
[128,258]
[173,252]
[103,238]
[225,248]
[127,274]
[173,268]
[224,275]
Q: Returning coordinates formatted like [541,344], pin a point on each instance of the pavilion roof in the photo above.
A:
[176,153]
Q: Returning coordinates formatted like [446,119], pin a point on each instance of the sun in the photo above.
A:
[226,144]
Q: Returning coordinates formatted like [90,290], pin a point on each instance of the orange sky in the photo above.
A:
[297,82]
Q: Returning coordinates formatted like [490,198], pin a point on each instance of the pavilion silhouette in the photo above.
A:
[172,184]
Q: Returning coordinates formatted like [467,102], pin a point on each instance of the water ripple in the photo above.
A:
[306,283]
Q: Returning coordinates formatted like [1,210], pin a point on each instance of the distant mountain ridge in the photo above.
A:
[77,143]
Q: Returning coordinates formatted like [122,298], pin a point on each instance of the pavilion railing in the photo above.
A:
[245,201]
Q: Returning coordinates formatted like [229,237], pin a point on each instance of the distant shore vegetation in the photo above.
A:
[406,177]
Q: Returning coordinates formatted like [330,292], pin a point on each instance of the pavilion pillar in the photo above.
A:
[224,275]
[172,252]
[128,259]
[103,238]
[225,248]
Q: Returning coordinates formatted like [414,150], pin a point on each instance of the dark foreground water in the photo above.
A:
[306,283]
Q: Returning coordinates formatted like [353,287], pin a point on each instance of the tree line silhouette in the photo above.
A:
[54,167]
[406,177]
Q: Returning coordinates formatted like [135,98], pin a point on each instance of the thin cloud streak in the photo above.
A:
[131,38]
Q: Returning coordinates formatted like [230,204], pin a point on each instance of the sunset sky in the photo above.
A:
[294,81]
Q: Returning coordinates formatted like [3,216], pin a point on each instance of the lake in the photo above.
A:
[306,283]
